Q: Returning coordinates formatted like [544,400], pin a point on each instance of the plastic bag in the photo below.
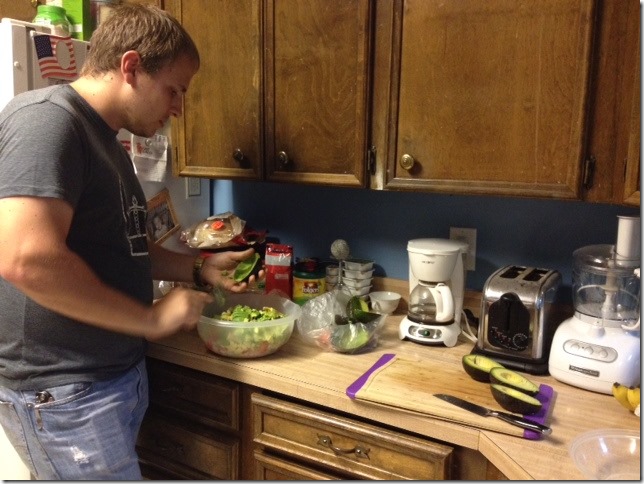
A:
[215,231]
[319,326]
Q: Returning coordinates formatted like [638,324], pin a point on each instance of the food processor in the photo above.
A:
[600,343]
[437,287]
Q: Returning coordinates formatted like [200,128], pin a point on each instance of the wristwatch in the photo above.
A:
[196,272]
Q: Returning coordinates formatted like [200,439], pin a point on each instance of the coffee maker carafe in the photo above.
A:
[437,287]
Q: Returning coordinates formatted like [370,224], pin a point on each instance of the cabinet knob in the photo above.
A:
[407,161]
[238,155]
[283,159]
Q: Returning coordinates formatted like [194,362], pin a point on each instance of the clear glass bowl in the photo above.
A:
[612,454]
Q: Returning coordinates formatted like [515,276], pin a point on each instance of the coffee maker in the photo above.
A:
[437,289]
[600,343]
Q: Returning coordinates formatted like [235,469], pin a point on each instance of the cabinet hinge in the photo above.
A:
[589,172]
[371,160]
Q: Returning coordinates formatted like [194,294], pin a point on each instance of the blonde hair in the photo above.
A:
[157,36]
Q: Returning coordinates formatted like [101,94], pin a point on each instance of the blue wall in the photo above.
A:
[377,224]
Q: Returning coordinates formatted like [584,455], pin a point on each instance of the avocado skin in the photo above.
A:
[257,266]
[514,400]
[512,379]
[479,372]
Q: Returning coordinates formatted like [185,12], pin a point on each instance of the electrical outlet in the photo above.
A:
[193,187]
[469,237]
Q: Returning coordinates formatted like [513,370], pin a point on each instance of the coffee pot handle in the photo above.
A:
[444,303]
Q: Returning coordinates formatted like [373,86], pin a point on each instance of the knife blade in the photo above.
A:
[487,412]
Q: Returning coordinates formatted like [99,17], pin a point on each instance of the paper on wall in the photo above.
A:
[149,155]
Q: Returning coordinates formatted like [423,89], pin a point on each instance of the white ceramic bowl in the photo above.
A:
[612,454]
[358,274]
[384,302]
[356,283]
[358,264]
[332,279]
[251,339]
[332,270]
[359,291]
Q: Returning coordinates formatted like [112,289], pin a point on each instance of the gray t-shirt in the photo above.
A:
[53,144]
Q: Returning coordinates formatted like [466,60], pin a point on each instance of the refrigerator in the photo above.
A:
[32,58]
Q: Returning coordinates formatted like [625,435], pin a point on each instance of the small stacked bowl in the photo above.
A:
[357,275]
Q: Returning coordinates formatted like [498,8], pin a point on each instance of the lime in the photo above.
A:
[247,268]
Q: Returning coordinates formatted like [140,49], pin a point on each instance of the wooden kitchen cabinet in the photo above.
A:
[282,92]
[317,85]
[296,441]
[506,98]
[196,425]
[614,134]
[19,9]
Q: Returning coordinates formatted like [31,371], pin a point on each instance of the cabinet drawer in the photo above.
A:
[271,468]
[345,445]
[180,448]
[207,399]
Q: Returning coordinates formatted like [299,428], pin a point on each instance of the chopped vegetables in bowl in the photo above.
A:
[248,325]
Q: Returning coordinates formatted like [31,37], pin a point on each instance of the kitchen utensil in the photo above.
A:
[612,454]
[340,251]
[517,321]
[437,283]
[247,339]
[607,454]
[600,343]
[486,412]
[393,380]
[384,302]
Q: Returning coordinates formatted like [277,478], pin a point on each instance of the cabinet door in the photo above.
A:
[219,134]
[487,97]
[19,9]
[317,83]
[613,151]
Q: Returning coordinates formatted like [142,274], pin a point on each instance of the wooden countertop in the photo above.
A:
[308,373]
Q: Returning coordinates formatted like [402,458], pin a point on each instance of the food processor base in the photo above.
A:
[593,358]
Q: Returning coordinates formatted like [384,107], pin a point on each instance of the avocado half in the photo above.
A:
[514,400]
[479,366]
[512,379]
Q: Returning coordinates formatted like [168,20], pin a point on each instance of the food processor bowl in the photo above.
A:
[605,287]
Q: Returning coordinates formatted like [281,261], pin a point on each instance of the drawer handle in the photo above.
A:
[358,450]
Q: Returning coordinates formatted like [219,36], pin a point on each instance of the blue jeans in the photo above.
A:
[84,430]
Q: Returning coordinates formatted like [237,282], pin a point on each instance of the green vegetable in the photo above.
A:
[246,314]
[247,268]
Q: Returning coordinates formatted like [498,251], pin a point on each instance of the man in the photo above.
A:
[76,268]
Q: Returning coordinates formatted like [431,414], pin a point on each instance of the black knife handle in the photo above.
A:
[523,423]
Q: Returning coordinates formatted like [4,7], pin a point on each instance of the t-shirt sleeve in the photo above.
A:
[42,153]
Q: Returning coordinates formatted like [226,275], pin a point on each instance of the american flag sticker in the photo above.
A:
[55,56]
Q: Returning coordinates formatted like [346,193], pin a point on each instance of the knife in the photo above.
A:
[486,412]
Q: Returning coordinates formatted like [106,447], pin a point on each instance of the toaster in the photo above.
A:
[516,322]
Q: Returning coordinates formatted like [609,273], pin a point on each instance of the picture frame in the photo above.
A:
[162,221]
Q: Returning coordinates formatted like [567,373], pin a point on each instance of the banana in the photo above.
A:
[633,396]
[620,392]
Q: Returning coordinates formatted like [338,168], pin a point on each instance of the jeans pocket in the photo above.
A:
[65,394]
[12,426]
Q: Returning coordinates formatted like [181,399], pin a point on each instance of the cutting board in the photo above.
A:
[411,384]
